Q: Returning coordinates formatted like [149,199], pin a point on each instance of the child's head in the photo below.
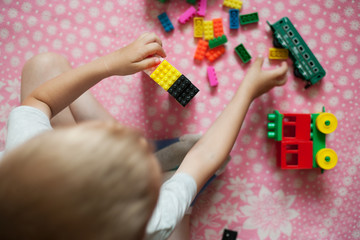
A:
[92,181]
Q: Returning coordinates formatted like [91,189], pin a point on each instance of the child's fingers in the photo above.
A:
[154,48]
[148,63]
[152,37]
[258,63]
[278,72]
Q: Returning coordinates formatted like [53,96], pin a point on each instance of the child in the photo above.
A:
[99,179]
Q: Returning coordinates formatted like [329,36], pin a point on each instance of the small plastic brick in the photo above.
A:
[208,30]
[249,18]
[187,15]
[234,18]
[198,27]
[243,53]
[165,75]
[218,27]
[202,8]
[215,53]
[183,90]
[236,4]
[278,53]
[162,1]
[217,41]
[212,76]
[201,49]
[187,95]
[229,235]
[191,1]
[165,22]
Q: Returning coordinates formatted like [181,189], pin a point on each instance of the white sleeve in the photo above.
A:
[24,123]
[176,195]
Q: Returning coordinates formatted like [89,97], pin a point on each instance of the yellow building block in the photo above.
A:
[165,75]
[278,53]
[236,4]
[208,30]
[198,27]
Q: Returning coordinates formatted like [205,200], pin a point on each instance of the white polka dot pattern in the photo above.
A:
[253,197]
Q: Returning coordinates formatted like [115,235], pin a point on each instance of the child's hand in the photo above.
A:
[258,81]
[136,56]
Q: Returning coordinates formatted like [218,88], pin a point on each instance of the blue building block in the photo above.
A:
[165,22]
[234,18]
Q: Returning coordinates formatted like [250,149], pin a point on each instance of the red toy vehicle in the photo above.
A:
[301,139]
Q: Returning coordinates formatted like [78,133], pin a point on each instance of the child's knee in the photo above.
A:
[45,62]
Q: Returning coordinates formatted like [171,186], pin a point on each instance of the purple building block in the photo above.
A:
[202,8]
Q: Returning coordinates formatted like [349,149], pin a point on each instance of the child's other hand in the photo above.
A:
[259,81]
[135,57]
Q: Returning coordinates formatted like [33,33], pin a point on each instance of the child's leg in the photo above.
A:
[46,66]
[182,230]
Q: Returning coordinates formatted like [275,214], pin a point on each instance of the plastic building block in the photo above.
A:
[234,18]
[215,53]
[191,1]
[165,22]
[183,90]
[165,75]
[201,49]
[162,1]
[275,125]
[295,154]
[198,27]
[278,53]
[302,145]
[218,27]
[236,4]
[306,66]
[217,41]
[208,30]
[187,15]
[229,235]
[243,53]
[202,8]
[249,18]
[212,76]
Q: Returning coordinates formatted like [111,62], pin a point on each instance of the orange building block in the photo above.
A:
[201,48]
[218,27]
[215,53]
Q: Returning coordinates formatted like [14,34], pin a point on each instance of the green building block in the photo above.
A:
[249,18]
[162,1]
[317,137]
[215,42]
[191,1]
[275,125]
[243,53]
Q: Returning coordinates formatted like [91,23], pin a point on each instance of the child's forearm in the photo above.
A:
[213,148]
[59,92]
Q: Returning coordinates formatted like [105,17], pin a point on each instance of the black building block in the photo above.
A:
[229,235]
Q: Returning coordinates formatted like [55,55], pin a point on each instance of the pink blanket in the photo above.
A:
[253,197]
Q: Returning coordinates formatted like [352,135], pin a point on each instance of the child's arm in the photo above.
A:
[212,149]
[59,92]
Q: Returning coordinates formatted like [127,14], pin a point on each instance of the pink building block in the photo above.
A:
[202,8]
[212,76]
[187,15]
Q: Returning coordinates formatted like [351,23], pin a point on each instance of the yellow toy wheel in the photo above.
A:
[326,158]
[326,123]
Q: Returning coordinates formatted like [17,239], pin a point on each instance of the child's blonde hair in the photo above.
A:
[93,181]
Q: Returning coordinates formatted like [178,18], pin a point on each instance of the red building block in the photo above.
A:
[215,53]
[218,27]
[295,154]
[296,126]
[201,49]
